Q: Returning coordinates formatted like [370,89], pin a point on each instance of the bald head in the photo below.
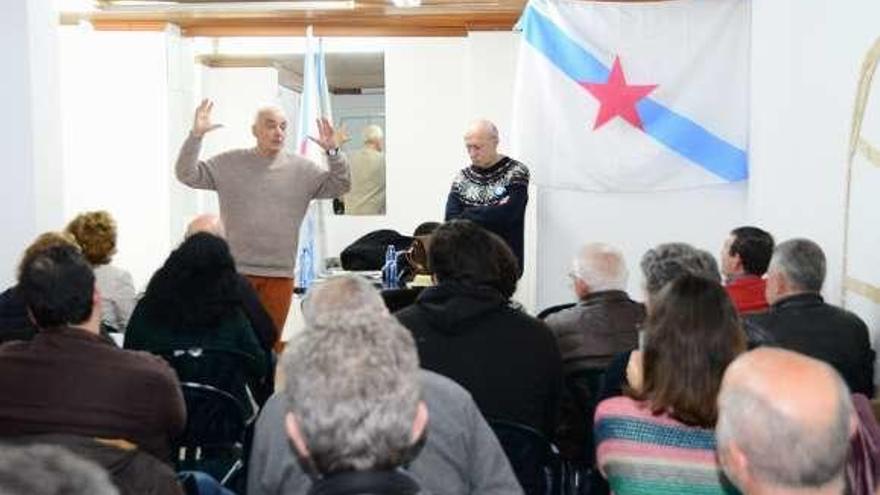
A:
[339,297]
[775,403]
[481,141]
[208,223]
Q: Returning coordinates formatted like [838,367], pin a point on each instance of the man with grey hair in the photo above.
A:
[605,320]
[493,191]
[461,454]
[784,424]
[264,193]
[800,320]
[367,195]
[603,323]
[354,408]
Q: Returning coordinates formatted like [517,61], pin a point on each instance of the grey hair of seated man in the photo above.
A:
[600,267]
[208,223]
[784,423]
[353,393]
[666,262]
[797,265]
[50,470]
[340,295]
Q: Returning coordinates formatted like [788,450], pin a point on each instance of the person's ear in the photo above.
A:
[295,434]
[737,264]
[254,130]
[420,422]
[735,465]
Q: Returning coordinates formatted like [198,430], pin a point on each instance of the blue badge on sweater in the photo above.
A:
[500,190]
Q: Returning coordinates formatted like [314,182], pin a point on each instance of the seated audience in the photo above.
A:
[354,410]
[95,232]
[605,320]
[467,330]
[744,260]
[461,455]
[50,470]
[784,422]
[660,266]
[15,324]
[71,380]
[193,302]
[658,438]
[800,320]
[256,314]
[603,323]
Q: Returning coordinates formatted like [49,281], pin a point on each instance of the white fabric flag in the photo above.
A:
[633,96]
[314,104]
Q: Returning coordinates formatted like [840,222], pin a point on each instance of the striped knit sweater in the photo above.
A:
[640,453]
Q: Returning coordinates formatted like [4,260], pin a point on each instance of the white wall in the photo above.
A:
[806,57]
[115,123]
[29,132]
[434,87]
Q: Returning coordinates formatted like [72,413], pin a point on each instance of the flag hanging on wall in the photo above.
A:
[314,104]
[633,96]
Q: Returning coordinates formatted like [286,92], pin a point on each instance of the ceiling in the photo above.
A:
[346,72]
[284,18]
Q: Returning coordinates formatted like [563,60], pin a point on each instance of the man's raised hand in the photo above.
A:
[327,136]
[202,120]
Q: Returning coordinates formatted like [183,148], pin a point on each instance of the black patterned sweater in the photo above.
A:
[495,198]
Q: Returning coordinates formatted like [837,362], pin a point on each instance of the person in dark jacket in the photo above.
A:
[603,323]
[69,379]
[605,320]
[800,320]
[193,301]
[466,329]
[15,324]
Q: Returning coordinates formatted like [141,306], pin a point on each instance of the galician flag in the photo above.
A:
[633,96]
[314,104]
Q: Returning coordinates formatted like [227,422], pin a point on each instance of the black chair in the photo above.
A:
[220,412]
[214,439]
[534,458]
[584,385]
[554,309]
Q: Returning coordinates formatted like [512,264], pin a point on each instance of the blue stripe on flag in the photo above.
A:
[675,131]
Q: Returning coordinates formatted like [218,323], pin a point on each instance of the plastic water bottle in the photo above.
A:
[389,271]
[306,269]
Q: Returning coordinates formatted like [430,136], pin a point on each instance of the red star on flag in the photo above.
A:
[617,98]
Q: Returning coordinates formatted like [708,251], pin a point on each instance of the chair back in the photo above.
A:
[554,309]
[535,460]
[583,387]
[220,410]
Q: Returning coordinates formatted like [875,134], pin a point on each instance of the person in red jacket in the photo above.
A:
[744,260]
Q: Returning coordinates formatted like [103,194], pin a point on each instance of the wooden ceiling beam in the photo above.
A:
[372,18]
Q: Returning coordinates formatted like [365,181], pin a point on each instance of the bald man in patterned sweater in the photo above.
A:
[493,191]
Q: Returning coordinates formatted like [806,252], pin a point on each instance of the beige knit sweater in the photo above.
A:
[262,200]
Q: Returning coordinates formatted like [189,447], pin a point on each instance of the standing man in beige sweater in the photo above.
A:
[264,193]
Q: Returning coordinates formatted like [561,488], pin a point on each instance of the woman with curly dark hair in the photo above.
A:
[193,304]
[95,232]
